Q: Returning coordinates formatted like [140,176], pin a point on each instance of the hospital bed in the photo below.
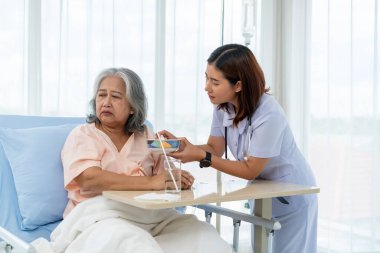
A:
[32,198]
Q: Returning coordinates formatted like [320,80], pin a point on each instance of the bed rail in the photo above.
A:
[269,225]
[12,243]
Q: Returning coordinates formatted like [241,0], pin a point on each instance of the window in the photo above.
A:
[344,137]
[12,54]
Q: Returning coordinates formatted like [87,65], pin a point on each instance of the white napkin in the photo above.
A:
[158,196]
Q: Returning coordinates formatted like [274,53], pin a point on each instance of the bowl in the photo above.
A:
[170,145]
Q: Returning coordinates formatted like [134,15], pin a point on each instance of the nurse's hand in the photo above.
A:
[188,152]
[166,134]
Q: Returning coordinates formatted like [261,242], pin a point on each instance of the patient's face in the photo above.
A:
[112,106]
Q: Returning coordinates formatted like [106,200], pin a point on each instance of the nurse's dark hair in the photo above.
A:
[237,63]
[135,94]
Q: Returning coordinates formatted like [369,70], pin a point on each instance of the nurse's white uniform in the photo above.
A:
[271,137]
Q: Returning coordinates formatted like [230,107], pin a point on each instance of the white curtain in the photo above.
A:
[11,56]
[51,52]
[321,60]
[192,31]
[344,131]
[58,47]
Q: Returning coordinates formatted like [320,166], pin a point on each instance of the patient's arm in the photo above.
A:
[95,179]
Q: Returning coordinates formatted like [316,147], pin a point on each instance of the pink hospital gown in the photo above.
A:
[86,146]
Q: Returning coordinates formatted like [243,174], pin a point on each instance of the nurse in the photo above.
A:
[253,125]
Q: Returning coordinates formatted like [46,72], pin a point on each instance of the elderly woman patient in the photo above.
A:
[110,153]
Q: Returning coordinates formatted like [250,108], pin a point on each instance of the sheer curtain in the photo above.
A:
[192,31]
[52,50]
[321,60]
[344,146]
[12,21]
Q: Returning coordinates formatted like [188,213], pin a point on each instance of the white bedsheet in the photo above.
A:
[102,225]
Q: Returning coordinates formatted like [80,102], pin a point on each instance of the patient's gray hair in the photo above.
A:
[135,94]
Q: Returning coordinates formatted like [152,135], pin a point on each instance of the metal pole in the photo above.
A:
[235,243]
[218,173]
[270,241]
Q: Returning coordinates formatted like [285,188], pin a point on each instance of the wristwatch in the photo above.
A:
[205,162]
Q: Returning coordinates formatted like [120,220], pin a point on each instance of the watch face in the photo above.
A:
[204,163]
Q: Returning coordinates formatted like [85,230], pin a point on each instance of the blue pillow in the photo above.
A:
[34,155]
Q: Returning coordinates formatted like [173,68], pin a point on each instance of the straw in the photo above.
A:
[167,160]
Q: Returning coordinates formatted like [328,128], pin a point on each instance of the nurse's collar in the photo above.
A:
[228,117]
[243,125]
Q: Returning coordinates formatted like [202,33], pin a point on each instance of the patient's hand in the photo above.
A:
[187,180]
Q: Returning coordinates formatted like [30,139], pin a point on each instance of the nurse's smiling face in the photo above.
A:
[219,89]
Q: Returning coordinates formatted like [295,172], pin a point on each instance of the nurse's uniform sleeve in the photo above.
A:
[217,123]
[267,135]
[80,152]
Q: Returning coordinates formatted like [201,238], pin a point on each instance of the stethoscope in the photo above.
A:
[247,146]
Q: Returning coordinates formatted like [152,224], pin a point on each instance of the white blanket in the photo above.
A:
[102,225]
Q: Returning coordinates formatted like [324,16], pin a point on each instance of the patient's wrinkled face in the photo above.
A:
[112,105]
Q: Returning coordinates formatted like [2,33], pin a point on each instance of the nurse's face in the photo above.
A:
[219,89]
